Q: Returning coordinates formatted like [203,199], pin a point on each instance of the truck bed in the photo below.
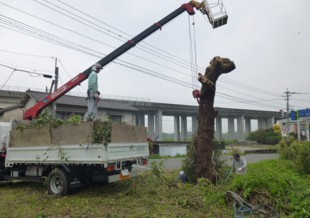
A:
[76,154]
[71,145]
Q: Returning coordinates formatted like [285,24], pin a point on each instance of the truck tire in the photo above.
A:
[57,182]
[2,171]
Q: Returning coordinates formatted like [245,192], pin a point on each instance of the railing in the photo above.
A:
[128,99]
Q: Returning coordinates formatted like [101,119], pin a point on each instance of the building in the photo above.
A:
[67,105]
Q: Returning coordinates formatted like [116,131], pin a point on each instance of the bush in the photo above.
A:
[276,184]
[298,152]
[265,136]
[188,165]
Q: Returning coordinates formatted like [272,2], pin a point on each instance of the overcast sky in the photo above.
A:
[267,39]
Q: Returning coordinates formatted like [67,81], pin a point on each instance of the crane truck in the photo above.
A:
[62,155]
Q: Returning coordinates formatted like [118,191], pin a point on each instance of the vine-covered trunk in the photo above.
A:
[204,166]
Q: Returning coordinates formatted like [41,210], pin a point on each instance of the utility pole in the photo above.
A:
[287,96]
[56,86]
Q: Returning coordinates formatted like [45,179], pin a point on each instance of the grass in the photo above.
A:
[159,193]
[141,197]
[158,156]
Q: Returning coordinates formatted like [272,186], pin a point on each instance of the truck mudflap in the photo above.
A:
[124,175]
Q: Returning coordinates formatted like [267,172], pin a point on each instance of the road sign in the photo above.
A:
[293,115]
[300,113]
[304,113]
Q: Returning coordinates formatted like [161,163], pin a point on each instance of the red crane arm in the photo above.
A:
[35,110]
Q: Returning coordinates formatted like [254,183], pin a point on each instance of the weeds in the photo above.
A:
[160,193]
[298,152]
[102,131]
[46,119]
[274,183]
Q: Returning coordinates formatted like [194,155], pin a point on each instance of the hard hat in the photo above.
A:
[97,66]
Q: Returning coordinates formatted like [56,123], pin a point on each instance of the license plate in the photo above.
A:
[124,174]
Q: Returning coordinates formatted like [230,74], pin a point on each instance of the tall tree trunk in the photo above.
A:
[204,166]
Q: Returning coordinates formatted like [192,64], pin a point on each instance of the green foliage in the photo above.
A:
[220,163]
[274,183]
[265,136]
[251,136]
[102,131]
[230,141]
[298,152]
[212,194]
[46,119]
[157,170]
[159,193]
[62,155]
[188,165]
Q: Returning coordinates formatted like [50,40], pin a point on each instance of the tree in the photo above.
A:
[204,146]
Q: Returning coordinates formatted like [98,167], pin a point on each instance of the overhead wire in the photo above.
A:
[195,56]
[182,61]
[90,38]
[15,70]
[68,74]
[194,80]
[25,54]
[95,27]
[91,52]
[71,47]
[163,53]
[7,79]
[141,70]
[246,87]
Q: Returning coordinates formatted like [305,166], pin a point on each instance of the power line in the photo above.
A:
[74,46]
[234,83]
[170,56]
[72,31]
[128,65]
[25,54]
[287,96]
[90,23]
[26,71]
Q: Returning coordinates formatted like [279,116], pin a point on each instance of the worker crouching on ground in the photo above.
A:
[239,164]
[93,94]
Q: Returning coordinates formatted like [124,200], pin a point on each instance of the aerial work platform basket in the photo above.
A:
[215,11]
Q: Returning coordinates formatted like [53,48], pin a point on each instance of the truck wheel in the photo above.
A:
[57,183]
[2,171]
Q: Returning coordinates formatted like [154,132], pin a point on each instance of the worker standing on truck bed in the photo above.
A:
[93,94]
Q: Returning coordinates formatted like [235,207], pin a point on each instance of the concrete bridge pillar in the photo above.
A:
[262,123]
[270,122]
[240,128]
[140,121]
[150,125]
[218,131]
[231,128]
[183,127]
[176,128]
[247,127]
[159,125]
